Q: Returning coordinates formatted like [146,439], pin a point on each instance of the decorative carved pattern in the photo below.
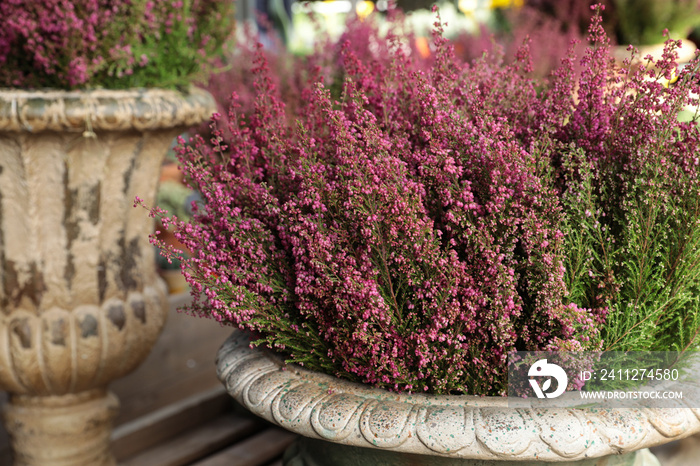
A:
[504,432]
[322,407]
[102,109]
[456,433]
[568,440]
[61,351]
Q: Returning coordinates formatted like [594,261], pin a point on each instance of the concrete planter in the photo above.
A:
[344,423]
[81,303]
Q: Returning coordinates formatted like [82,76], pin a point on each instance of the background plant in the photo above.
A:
[109,43]
[632,202]
[549,27]
[642,22]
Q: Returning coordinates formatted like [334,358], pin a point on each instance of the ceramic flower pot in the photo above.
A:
[343,423]
[81,301]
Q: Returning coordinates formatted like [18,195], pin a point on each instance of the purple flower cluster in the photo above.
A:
[413,230]
[72,44]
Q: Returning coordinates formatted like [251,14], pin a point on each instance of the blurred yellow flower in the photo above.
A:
[506,3]
[364,8]
[467,6]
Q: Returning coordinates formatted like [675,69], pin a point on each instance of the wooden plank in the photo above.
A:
[180,365]
[198,443]
[161,395]
[6,456]
[5,451]
[254,451]
[136,436]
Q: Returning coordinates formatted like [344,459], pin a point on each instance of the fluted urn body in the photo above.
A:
[80,301]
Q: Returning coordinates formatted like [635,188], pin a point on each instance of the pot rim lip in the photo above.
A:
[141,109]
[303,401]
[94,90]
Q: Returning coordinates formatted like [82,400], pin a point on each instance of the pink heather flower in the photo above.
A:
[406,222]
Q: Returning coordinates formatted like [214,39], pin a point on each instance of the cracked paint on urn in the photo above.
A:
[139,309]
[58,331]
[88,327]
[116,315]
[81,300]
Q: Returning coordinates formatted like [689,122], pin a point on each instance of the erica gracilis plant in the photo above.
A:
[436,217]
[630,171]
[113,44]
[399,237]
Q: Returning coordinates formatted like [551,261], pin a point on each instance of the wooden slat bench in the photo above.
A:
[204,430]
[175,411]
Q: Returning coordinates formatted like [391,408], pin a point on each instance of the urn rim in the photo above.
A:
[323,407]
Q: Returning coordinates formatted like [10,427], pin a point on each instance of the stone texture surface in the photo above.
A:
[310,452]
[102,109]
[80,301]
[469,427]
[45,429]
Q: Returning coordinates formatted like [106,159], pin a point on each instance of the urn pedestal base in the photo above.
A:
[68,430]
[312,452]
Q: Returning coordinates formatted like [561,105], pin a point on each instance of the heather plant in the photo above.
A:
[631,193]
[293,74]
[639,22]
[109,43]
[574,15]
[432,217]
[549,38]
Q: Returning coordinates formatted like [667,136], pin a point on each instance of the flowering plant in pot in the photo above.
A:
[404,237]
[92,93]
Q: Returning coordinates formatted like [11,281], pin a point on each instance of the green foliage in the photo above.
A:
[641,260]
[177,54]
[641,22]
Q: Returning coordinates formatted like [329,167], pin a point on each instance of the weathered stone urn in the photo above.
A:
[80,301]
[343,423]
